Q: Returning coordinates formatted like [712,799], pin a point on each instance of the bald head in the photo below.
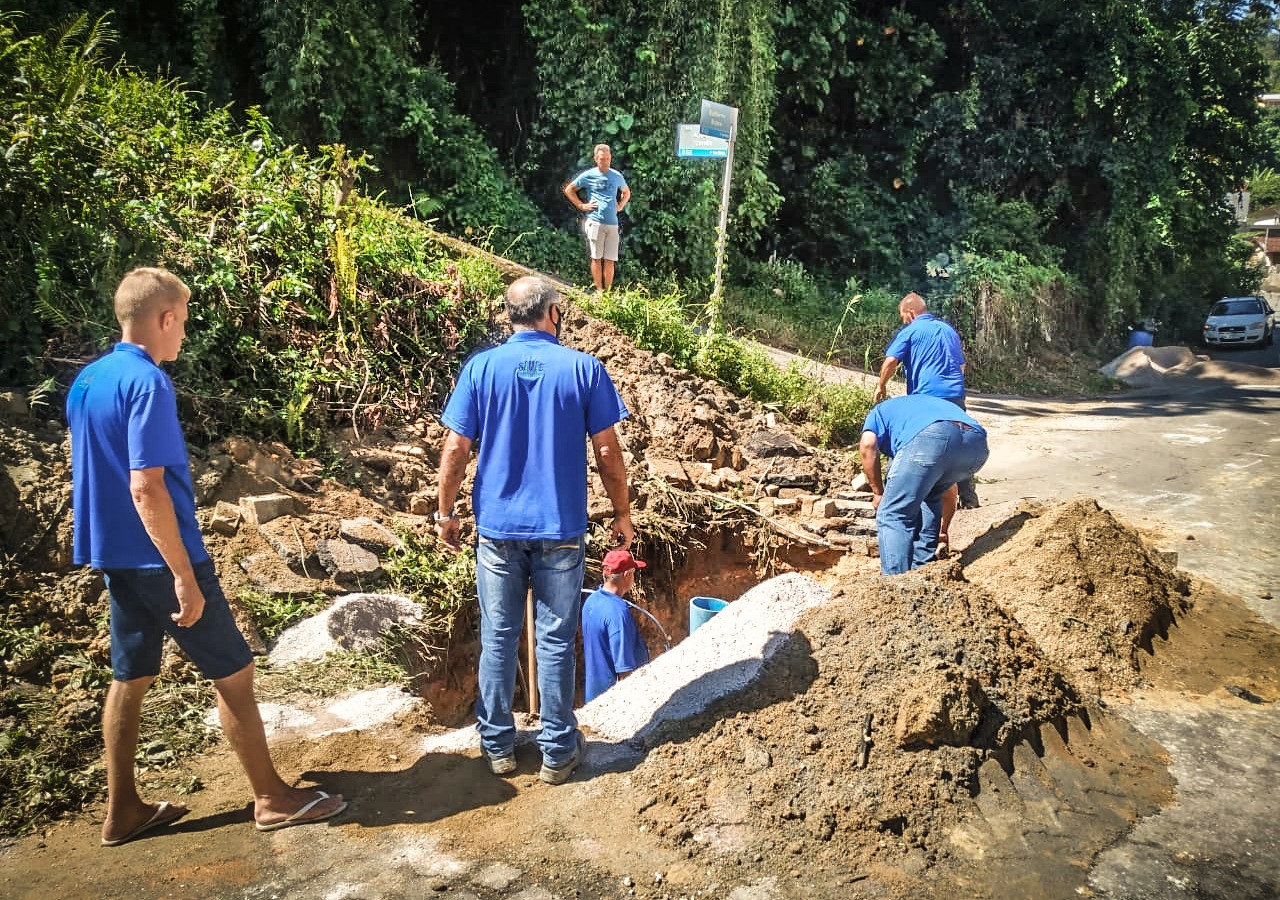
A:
[911,306]
[529,300]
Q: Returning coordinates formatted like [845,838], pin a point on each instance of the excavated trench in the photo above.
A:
[724,564]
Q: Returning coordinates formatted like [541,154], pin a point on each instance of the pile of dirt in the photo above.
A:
[868,743]
[1084,585]
[864,736]
[1142,367]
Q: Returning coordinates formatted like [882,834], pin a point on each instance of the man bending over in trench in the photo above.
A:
[934,444]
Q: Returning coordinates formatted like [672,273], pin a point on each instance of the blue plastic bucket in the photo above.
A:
[703,608]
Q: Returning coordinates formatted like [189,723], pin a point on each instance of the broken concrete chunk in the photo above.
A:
[826,508]
[226,518]
[347,563]
[669,470]
[765,444]
[369,534]
[287,537]
[265,507]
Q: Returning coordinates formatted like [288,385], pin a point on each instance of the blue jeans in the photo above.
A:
[504,572]
[909,513]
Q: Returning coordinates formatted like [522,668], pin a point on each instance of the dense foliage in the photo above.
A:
[1096,138]
[311,303]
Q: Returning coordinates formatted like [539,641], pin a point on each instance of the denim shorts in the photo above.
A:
[142,601]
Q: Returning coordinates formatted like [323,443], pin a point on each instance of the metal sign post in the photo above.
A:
[720,121]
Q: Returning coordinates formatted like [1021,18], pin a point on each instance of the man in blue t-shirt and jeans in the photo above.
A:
[530,405]
[933,444]
[135,519]
[611,642]
[607,195]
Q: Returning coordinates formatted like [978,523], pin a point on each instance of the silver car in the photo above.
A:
[1239,321]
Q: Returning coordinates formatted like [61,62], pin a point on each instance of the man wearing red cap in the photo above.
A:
[611,641]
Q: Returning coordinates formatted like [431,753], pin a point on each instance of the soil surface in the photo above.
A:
[1061,711]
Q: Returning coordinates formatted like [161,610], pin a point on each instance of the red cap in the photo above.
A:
[618,561]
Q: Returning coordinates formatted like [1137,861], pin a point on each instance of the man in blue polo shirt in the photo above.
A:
[611,642]
[607,195]
[530,405]
[933,444]
[135,519]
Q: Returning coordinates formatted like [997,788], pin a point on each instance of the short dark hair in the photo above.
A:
[529,300]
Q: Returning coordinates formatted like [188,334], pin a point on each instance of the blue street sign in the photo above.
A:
[692,144]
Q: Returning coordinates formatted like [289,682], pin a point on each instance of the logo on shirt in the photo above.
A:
[529,368]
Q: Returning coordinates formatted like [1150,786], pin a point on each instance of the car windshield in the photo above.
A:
[1241,307]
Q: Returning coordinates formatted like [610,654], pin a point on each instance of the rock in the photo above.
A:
[942,708]
[826,508]
[267,575]
[765,444]
[860,484]
[346,562]
[288,540]
[264,507]
[421,504]
[226,518]
[353,622]
[14,403]
[669,470]
[369,534]
[787,504]
[862,509]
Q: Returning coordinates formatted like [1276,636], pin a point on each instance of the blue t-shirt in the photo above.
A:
[611,641]
[603,188]
[930,353]
[897,420]
[123,415]
[530,404]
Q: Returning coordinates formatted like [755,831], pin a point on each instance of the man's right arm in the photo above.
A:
[887,369]
[571,192]
[453,465]
[613,472]
[154,505]
[869,454]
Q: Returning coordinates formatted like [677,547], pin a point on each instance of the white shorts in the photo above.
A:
[602,239]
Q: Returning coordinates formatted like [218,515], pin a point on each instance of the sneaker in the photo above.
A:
[500,765]
[560,774]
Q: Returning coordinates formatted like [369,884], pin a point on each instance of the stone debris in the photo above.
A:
[262,508]
[348,563]
[353,622]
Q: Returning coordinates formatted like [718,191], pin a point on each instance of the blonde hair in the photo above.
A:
[147,290]
[598,147]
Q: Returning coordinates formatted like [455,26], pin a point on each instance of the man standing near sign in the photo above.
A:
[607,195]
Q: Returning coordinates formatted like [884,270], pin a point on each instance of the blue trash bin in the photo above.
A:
[703,608]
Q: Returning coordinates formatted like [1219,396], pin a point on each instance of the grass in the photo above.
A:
[666,322]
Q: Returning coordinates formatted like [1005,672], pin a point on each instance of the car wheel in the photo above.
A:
[1270,338]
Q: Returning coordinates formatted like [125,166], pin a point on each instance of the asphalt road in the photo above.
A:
[1198,467]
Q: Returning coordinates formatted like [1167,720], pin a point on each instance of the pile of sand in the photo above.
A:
[1084,586]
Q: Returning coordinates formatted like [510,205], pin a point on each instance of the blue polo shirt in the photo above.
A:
[603,188]
[530,404]
[897,420]
[123,415]
[930,353]
[611,642]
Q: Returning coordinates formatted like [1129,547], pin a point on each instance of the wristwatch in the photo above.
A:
[445,518]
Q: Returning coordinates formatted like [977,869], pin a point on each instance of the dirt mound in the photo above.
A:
[933,671]
[1084,585]
[1152,366]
